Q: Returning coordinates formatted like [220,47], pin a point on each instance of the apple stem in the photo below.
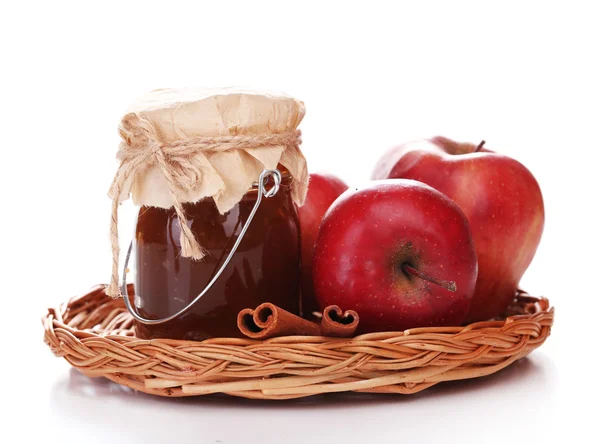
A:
[479,146]
[448,285]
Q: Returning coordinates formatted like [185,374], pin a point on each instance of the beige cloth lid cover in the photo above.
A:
[183,145]
[180,114]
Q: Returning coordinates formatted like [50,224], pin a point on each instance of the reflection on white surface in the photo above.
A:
[107,411]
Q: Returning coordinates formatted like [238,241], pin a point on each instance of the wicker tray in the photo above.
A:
[94,333]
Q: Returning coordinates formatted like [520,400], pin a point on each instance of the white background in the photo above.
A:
[523,76]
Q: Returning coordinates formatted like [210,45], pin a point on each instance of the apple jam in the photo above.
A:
[265,267]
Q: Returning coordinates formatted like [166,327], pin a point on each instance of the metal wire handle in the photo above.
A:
[262,191]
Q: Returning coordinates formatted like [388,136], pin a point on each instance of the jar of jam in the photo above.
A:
[265,266]
[217,176]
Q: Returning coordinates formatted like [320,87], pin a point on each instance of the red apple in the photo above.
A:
[501,199]
[398,252]
[323,189]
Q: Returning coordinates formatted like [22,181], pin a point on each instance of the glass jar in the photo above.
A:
[264,268]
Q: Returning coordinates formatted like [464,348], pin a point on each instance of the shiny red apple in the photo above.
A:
[501,199]
[323,189]
[399,253]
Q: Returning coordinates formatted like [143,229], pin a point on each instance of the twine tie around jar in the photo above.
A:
[141,147]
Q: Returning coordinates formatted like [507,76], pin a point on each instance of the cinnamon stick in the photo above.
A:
[337,323]
[269,320]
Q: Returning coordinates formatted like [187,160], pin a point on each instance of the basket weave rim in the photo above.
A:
[94,334]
